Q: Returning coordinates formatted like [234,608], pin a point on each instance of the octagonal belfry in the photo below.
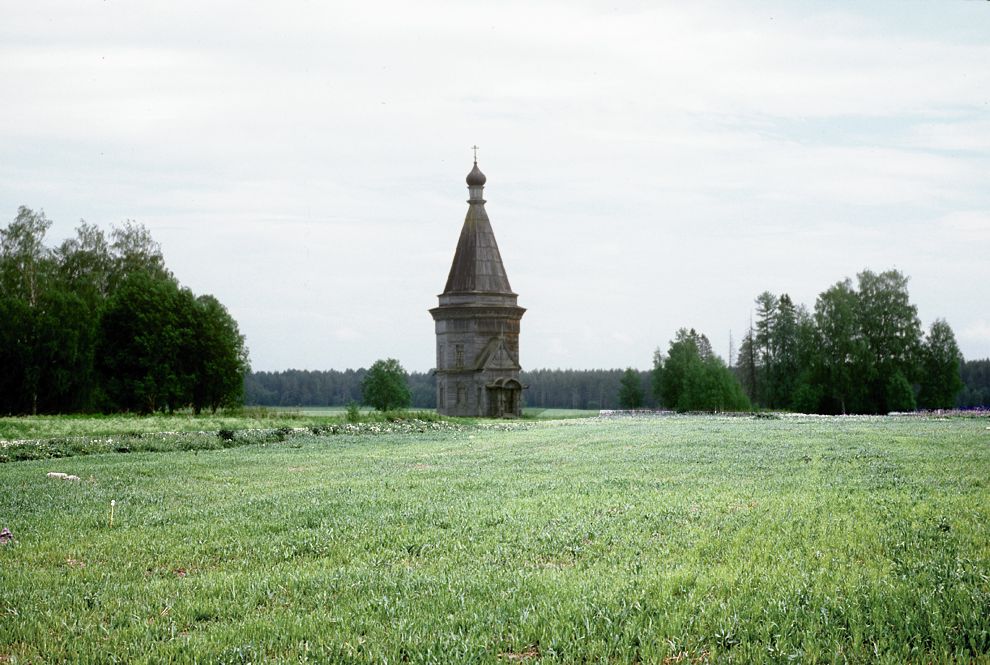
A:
[477,323]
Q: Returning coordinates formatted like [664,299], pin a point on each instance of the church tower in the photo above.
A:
[477,323]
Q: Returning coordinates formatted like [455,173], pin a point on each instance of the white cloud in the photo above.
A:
[963,135]
[967,225]
[346,334]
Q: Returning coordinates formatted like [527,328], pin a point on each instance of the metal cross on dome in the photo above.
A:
[475,148]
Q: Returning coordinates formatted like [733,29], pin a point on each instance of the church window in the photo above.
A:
[440,356]
[459,356]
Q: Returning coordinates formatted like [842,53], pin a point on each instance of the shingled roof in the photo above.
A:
[477,265]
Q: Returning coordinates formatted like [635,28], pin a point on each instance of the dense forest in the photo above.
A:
[976,385]
[546,388]
[100,324]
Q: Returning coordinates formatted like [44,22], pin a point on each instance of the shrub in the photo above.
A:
[386,386]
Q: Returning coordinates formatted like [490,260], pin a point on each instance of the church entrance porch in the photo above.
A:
[504,398]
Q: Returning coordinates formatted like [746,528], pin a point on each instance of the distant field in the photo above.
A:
[317,410]
[543,414]
[551,414]
[669,539]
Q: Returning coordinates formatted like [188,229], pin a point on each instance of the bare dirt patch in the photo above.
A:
[532,651]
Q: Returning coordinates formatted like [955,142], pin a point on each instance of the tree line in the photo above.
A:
[861,349]
[975,376]
[99,323]
[300,387]
[546,388]
[590,389]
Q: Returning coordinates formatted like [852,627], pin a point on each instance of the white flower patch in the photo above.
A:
[58,475]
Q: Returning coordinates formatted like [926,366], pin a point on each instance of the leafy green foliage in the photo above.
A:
[134,250]
[842,361]
[784,341]
[62,344]
[940,361]
[890,326]
[16,327]
[693,378]
[87,265]
[162,349]
[631,390]
[633,540]
[48,335]
[766,325]
[98,324]
[748,366]
[774,356]
[899,394]
[385,386]
[861,351]
[146,351]
[25,262]
[220,357]
[975,375]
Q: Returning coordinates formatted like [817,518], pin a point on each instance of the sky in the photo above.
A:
[651,165]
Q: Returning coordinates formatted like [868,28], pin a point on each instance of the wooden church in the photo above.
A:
[477,323]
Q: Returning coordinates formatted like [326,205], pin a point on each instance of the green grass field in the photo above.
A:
[668,540]
[50,427]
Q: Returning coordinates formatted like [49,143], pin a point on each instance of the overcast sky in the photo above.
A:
[650,165]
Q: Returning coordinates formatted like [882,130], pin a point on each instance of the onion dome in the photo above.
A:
[477,265]
[476,178]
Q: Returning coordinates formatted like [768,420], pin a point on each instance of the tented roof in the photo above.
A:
[477,265]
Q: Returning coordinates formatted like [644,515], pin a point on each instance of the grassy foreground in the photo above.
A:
[675,539]
[17,428]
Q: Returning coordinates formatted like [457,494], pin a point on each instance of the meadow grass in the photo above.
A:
[51,427]
[45,437]
[663,539]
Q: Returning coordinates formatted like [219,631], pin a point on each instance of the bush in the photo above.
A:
[900,394]
[386,386]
